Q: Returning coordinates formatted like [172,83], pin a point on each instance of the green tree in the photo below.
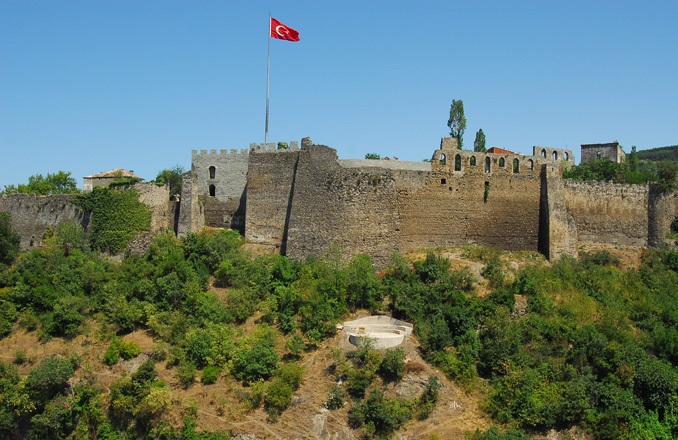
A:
[49,379]
[666,175]
[479,143]
[58,183]
[171,176]
[9,240]
[374,156]
[632,160]
[457,121]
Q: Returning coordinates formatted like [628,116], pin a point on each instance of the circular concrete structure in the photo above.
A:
[378,331]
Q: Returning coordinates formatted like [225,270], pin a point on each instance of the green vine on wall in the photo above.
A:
[116,217]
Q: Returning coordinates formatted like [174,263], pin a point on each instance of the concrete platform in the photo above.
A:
[379,331]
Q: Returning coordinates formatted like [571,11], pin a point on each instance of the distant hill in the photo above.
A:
[662,153]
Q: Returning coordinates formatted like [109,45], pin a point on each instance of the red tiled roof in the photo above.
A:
[113,174]
[497,150]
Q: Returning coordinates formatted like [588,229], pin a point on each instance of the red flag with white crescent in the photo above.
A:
[283,32]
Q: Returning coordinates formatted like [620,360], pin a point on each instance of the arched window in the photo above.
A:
[543,153]
[487,164]
[516,165]
[530,164]
[457,162]
[502,162]
[443,159]
[213,190]
[566,156]
[555,155]
[472,161]
[213,171]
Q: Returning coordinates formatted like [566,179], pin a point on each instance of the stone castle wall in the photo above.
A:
[308,202]
[607,213]
[32,215]
[270,186]
[353,208]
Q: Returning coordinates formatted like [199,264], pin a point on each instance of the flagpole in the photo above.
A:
[268,77]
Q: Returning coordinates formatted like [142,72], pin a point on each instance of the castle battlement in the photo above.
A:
[222,152]
[272,147]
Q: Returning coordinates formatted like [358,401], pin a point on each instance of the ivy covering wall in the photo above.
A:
[117,216]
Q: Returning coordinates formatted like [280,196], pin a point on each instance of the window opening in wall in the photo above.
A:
[598,154]
[530,164]
[543,153]
[487,164]
[443,159]
[457,162]
[566,156]
[443,181]
[472,161]
[674,226]
[213,191]
[555,155]
[486,194]
[502,162]
[213,171]
[516,166]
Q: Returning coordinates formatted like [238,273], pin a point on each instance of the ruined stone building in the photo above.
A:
[302,201]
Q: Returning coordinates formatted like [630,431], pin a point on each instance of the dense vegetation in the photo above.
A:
[660,154]
[58,183]
[596,346]
[632,171]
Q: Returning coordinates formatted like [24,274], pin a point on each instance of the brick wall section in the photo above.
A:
[191,206]
[451,210]
[270,181]
[663,209]
[230,172]
[354,208]
[607,213]
[32,215]
[558,228]
[157,199]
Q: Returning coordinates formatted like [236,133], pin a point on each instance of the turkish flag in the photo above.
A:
[282,32]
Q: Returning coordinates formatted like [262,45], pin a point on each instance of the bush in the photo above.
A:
[381,416]
[278,397]
[290,374]
[392,367]
[336,399]
[186,374]
[49,378]
[129,350]
[112,353]
[210,375]
[258,361]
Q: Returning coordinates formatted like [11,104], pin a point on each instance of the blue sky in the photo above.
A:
[88,86]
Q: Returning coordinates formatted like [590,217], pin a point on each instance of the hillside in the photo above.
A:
[661,153]
[200,338]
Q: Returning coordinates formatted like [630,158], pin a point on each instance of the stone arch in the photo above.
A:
[442,159]
[543,153]
[213,191]
[516,166]
[472,161]
[212,171]
[457,162]
[566,156]
[555,155]
[530,164]
[488,164]
[502,162]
